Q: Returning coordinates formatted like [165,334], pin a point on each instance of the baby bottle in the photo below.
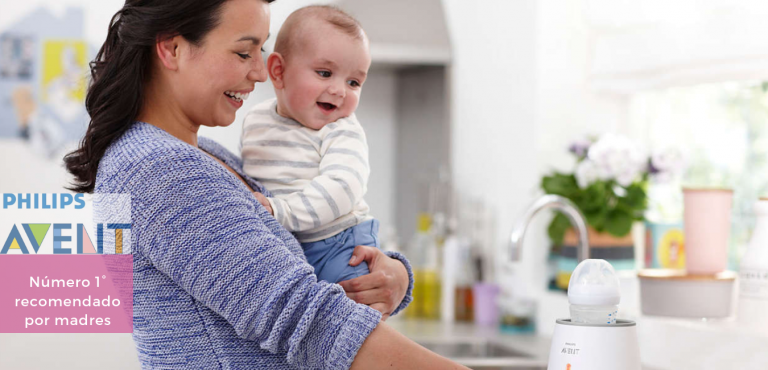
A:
[593,293]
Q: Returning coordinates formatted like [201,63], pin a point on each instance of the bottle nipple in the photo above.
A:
[593,292]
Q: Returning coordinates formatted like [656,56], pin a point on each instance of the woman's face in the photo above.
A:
[227,63]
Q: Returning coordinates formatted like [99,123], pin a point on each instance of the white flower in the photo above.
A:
[627,177]
[618,158]
[580,147]
[586,173]
[666,164]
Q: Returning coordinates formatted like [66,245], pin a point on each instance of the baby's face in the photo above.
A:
[324,77]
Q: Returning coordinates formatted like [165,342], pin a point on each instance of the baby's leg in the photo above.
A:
[334,266]
[366,233]
[340,270]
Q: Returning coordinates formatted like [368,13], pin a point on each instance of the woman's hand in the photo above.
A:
[264,202]
[384,288]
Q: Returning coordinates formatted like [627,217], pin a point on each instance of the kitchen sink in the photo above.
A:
[484,354]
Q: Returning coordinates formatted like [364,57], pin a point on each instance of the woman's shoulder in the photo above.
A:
[144,145]
[218,151]
[144,140]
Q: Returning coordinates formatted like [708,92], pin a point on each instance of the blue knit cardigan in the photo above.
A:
[218,283]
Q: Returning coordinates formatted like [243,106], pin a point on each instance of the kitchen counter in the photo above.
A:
[532,344]
[665,343]
[680,344]
[534,349]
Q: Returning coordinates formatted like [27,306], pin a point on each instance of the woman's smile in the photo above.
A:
[236,97]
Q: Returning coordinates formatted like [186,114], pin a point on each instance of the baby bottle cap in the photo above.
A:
[594,283]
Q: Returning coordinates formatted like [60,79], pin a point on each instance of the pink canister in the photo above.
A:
[707,224]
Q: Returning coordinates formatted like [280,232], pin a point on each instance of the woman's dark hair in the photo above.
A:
[122,67]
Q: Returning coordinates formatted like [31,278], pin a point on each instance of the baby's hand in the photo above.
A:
[264,202]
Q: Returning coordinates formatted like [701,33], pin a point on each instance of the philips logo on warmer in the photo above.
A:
[43,201]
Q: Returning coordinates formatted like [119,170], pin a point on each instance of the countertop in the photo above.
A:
[665,343]
[536,347]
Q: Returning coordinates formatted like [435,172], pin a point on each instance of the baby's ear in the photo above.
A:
[276,67]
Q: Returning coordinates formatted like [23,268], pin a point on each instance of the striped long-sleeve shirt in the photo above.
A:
[317,177]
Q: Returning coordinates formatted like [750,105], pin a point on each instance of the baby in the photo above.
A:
[306,146]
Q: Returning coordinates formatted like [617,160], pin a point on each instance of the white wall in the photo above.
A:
[566,109]
[520,95]
[493,105]
[377,113]
[566,106]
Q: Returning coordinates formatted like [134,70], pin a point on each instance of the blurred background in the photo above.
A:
[472,111]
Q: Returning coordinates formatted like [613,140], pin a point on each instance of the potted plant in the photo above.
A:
[609,186]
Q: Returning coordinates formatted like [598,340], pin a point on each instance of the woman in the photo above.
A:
[218,283]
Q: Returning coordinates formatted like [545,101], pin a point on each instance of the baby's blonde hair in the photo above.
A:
[294,24]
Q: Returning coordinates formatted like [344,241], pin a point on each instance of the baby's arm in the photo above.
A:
[264,202]
[341,184]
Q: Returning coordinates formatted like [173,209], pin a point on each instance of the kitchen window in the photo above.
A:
[722,131]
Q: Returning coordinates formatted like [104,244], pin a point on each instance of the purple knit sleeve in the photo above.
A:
[409,292]
[198,225]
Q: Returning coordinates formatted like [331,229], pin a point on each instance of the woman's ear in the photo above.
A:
[168,51]
[276,68]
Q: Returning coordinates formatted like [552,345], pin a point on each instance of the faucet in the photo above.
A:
[557,202]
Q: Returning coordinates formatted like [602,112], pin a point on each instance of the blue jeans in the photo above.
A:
[330,257]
